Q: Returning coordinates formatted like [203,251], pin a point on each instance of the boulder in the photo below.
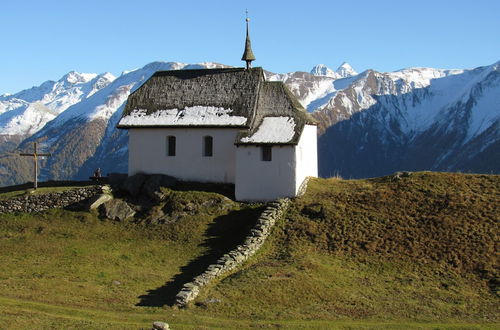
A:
[400,175]
[98,200]
[156,216]
[160,326]
[106,189]
[117,210]
[153,183]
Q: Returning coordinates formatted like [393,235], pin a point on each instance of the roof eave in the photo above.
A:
[239,144]
[182,126]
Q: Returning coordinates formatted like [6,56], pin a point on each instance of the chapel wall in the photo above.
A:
[148,153]
[306,156]
[258,180]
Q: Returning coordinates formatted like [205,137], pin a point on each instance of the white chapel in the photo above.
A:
[225,125]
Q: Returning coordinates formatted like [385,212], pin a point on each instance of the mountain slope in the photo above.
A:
[370,124]
[414,119]
[25,113]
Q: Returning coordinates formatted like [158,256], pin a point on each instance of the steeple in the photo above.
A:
[248,55]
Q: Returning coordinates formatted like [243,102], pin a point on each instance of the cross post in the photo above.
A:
[35,155]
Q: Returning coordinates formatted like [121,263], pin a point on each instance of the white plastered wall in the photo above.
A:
[258,180]
[306,155]
[148,153]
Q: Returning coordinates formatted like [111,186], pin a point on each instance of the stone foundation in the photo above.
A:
[42,202]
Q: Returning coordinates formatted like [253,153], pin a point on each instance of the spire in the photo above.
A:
[248,55]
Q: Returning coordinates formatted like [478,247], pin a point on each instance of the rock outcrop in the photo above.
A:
[117,210]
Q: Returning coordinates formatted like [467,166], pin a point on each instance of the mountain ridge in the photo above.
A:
[370,123]
[345,70]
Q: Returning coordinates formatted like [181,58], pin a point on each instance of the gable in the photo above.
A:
[279,119]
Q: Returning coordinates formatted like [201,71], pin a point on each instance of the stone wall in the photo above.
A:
[253,242]
[37,203]
[303,187]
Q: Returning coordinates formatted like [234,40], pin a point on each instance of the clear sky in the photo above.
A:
[42,40]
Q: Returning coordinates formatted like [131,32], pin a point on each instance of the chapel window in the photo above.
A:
[267,153]
[208,146]
[170,145]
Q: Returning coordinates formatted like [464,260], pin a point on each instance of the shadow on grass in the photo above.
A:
[223,235]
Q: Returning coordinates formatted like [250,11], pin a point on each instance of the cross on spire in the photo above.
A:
[35,156]
[248,55]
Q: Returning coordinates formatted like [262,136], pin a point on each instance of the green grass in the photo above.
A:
[365,254]
[19,314]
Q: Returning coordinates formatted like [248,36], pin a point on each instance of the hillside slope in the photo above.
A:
[419,251]
[421,248]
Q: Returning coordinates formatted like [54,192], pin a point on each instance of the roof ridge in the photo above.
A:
[232,69]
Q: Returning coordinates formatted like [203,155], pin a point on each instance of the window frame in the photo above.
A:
[171,145]
[266,153]
[208,146]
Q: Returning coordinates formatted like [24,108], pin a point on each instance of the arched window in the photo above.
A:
[170,145]
[208,146]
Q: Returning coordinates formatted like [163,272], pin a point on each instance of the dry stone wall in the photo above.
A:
[253,242]
[303,187]
[37,203]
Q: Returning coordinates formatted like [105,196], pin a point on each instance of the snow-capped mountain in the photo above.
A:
[370,124]
[343,71]
[413,119]
[25,113]
[323,70]
[309,89]
[59,95]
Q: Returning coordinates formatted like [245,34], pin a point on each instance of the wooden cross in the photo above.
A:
[35,156]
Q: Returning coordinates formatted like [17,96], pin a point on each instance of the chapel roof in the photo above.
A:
[266,112]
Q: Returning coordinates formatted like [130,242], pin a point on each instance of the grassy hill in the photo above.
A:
[414,252]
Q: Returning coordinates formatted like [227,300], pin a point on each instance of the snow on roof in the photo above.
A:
[230,97]
[189,116]
[273,130]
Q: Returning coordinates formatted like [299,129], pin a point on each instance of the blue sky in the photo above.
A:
[43,40]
